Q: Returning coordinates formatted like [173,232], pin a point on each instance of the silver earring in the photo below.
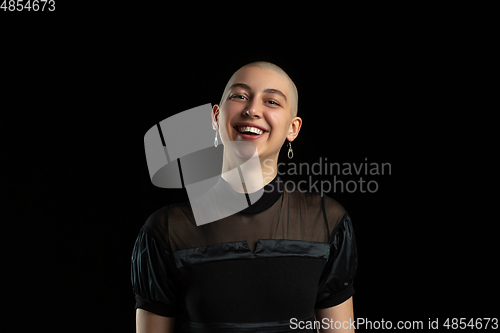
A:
[290,150]
[216,142]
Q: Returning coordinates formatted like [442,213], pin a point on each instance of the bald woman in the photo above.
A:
[286,263]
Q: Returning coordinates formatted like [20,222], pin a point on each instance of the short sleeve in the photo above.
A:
[336,283]
[153,276]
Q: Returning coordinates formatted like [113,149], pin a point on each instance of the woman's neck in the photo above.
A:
[251,174]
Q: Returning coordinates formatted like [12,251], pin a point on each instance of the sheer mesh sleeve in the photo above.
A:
[336,283]
[153,275]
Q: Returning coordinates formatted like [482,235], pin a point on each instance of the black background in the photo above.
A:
[79,95]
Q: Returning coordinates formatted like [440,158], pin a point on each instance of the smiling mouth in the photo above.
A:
[249,130]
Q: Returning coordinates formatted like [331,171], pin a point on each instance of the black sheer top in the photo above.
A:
[254,271]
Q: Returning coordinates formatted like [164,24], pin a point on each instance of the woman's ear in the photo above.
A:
[215,117]
[294,128]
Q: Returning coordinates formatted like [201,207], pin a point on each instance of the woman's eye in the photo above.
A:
[237,96]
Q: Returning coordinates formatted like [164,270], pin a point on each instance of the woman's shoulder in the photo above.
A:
[159,219]
[159,223]
[333,207]
[319,203]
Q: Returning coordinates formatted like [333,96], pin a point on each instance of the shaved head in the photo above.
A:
[294,96]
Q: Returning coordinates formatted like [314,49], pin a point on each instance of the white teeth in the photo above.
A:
[255,130]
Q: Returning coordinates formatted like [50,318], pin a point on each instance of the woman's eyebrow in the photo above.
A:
[275,91]
[240,85]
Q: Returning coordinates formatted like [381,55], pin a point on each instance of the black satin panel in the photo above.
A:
[152,275]
[266,248]
[265,327]
[291,248]
[211,253]
[338,275]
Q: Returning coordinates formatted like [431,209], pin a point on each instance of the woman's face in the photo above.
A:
[266,96]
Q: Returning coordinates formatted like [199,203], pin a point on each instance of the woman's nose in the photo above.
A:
[253,109]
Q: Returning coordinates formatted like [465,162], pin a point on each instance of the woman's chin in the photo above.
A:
[243,149]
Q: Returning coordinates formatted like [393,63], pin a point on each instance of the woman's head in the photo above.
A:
[259,106]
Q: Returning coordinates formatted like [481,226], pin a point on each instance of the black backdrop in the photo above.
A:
[77,105]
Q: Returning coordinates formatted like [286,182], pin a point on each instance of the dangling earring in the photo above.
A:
[290,150]
[216,142]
